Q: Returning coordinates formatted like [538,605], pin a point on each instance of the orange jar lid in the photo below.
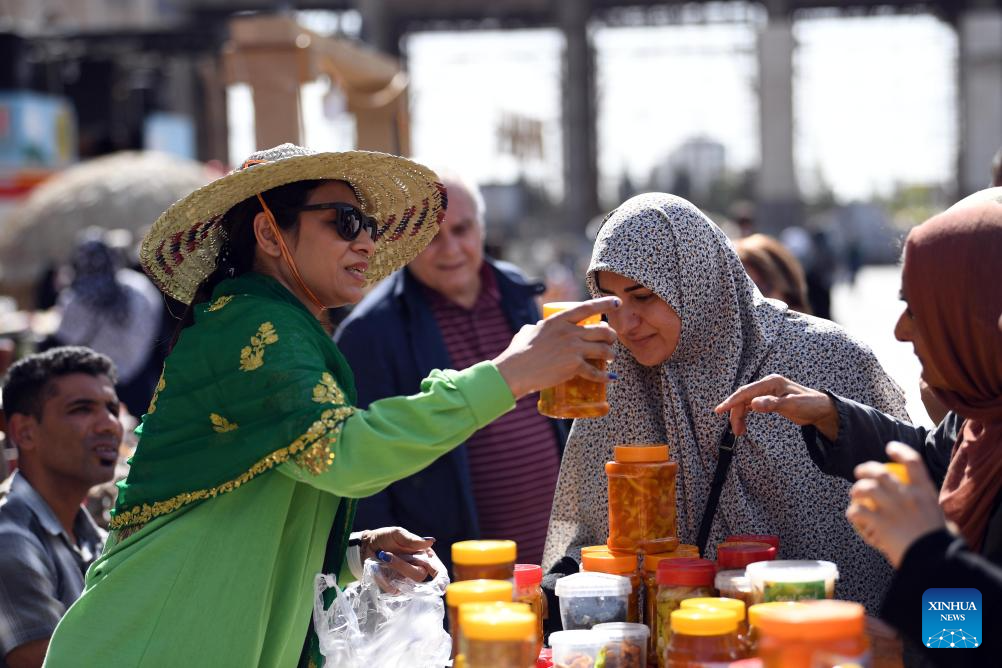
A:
[899,471]
[812,620]
[609,562]
[641,454]
[651,561]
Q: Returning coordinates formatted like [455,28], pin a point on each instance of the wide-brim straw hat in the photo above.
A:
[406,199]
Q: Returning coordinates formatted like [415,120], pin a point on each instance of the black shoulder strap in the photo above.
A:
[725,454]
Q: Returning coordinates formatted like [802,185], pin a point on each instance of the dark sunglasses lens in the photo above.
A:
[349,224]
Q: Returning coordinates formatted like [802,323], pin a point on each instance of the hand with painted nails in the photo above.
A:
[889,514]
[776,394]
[400,550]
[557,349]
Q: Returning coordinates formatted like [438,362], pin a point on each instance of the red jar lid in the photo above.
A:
[734,555]
[527,575]
[545,659]
[687,571]
[754,538]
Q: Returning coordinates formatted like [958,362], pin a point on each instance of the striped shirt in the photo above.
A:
[514,461]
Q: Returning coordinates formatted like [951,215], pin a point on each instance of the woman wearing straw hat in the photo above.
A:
[251,452]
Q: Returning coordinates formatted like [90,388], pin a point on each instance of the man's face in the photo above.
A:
[79,433]
[450,264]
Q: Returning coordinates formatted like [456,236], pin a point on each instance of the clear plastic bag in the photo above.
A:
[384,620]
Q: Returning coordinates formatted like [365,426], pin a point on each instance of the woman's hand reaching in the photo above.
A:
[891,515]
[776,394]
[396,547]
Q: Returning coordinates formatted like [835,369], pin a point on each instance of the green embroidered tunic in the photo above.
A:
[247,452]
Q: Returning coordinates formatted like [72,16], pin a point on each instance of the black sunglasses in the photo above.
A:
[350,220]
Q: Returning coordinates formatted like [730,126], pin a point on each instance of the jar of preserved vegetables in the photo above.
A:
[650,570]
[617,564]
[813,634]
[641,499]
[528,590]
[473,591]
[498,635]
[679,579]
[792,580]
[484,560]
[577,397]
[702,637]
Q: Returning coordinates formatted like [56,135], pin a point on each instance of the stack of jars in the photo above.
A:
[678,579]
[732,558]
[497,634]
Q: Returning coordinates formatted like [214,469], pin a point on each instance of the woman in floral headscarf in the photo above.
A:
[693,328]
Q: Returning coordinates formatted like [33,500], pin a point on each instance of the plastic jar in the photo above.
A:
[767,538]
[650,570]
[734,584]
[472,591]
[528,578]
[702,636]
[754,614]
[679,579]
[617,564]
[727,604]
[812,634]
[577,397]
[625,645]
[483,560]
[575,648]
[641,499]
[791,580]
[498,635]
[732,555]
[587,599]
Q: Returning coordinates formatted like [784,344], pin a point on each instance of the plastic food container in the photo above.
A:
[791,580]
[625,644]
[734,584]
[528,578]
[575,398]
[472,591]
[483,560]
[703,637]
[679,579]
[733,555]
[650,569]
[498,635]
[813,634]
[617,564]
[770,539]
[587,599]
[641,499]
[576,649]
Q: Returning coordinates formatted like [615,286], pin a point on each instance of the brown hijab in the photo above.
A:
[952,282]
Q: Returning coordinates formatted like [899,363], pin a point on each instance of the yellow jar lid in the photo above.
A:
[703,622]
[459,662]
[640,453]
[483,552]
[472,591]
[497,621]
[732,605]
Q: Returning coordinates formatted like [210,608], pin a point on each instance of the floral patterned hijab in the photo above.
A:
[730,336]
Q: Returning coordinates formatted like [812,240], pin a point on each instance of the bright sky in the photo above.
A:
[874,99]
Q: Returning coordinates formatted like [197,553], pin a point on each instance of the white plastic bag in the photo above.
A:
[384,620]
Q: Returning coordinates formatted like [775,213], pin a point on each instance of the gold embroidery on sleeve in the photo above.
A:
[252,356]
[161,384]
[327,391]
[220,303]
[220,424]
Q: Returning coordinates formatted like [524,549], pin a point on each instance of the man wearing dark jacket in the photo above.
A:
[450,308]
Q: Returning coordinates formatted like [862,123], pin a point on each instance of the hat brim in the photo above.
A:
[406,198]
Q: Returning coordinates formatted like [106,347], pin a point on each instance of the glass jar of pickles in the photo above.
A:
[702,637]
[498,634]
[641,499]
[472,591]
[528,590]
[650,569]
[812,634]
[679,579]
[577,397]
[617,564]
[484,560]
